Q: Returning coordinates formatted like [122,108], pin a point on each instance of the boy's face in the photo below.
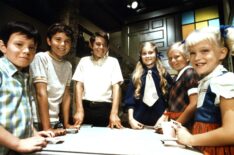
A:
[60,45]
[19,49]
[205,57]
[99,48]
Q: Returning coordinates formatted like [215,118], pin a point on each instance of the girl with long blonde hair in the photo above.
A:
[141,113]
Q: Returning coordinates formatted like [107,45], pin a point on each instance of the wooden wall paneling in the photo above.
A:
[152,35]
[171,30]
[163,31]
[143,26]
[134,46]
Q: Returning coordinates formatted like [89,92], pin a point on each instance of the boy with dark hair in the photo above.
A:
[51,76]
[18,43]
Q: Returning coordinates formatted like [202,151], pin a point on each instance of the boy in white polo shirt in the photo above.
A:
[98,78]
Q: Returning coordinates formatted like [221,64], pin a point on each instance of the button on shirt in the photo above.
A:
[15,108]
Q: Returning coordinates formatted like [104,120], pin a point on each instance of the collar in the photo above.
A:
[9,67]
[53,57]
[100,61]
[216,72]
[182,71]
[153,69]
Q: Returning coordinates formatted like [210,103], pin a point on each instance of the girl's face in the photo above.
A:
[177,60]
[60,45]
[205,57]
[148,56]
[99,48]
[20,50]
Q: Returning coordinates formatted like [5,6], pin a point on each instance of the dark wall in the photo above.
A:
[8,13]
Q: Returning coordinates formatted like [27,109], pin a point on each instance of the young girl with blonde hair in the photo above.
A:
[141,113]
[183,93]
[213,131]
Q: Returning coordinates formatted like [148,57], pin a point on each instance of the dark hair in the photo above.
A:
[20,27]
[99,34]
[60,27]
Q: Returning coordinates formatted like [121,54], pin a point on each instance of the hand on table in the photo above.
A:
[58,132]
[31,144]
[183,136]
[78,119]
[69,126]
[135,124]
[115,121]
[158,124]
[45,134]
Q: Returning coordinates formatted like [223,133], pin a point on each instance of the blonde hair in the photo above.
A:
[230,38]
[213,35]
[139,69]
[180,47]
[210,34]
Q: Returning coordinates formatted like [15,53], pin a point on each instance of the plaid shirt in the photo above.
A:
[185,85]
[15,108]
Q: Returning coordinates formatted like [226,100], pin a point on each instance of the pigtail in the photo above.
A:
[229,40]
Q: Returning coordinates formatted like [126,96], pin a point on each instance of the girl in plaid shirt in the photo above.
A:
[183,93]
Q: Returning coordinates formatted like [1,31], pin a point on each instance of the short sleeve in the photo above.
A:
[117,74]
[191,81]
[79,72]
[38,68]
[223,85]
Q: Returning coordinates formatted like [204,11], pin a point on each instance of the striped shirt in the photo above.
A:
[15,108]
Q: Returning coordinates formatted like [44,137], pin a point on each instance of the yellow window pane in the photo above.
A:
[201,25]
[206,13]
[186,29]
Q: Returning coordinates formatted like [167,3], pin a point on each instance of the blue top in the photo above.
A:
[208,113]
[217,84]
[142,112]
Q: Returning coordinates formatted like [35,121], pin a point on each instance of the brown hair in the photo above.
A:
[99,34]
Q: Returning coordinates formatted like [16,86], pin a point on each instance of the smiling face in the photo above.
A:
[177,60]
[20,50]
[60,45]
[148,55]
[206,56]
[99,48]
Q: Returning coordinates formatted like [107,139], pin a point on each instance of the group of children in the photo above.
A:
[35,87]
[200,96]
